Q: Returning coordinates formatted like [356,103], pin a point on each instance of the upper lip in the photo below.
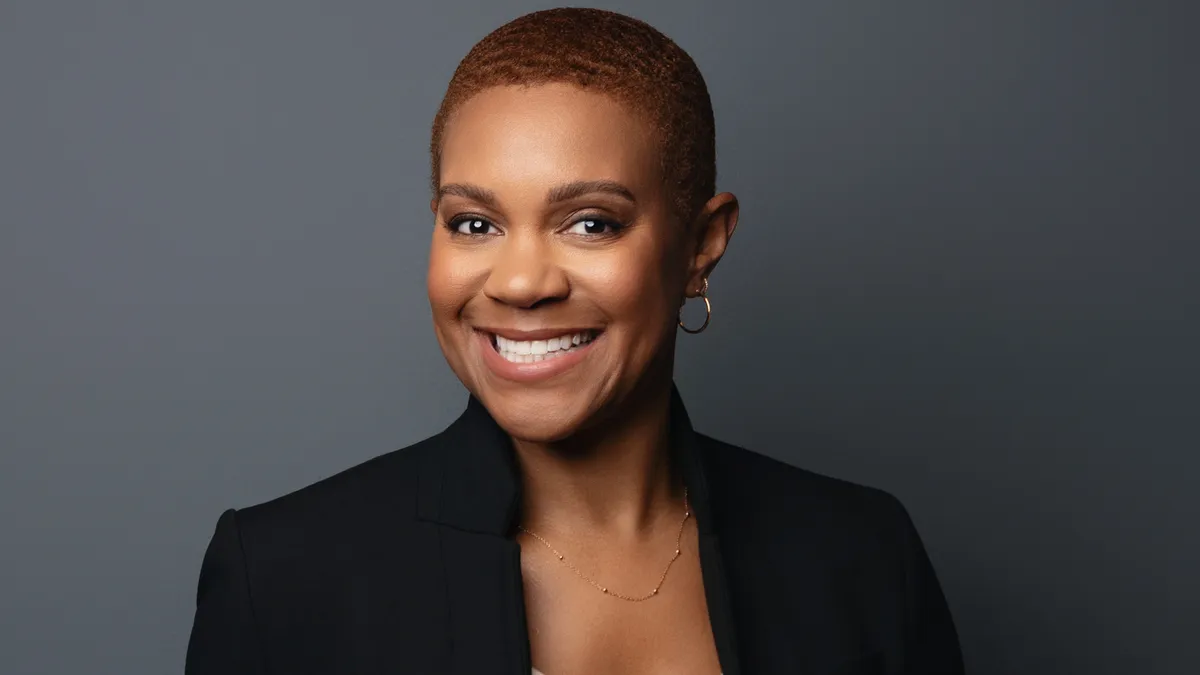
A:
[527,335]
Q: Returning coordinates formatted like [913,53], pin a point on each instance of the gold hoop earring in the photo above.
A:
[707,311]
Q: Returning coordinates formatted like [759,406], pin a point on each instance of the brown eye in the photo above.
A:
[473,226]
[593,226]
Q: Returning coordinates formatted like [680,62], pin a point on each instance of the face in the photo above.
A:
[556,269]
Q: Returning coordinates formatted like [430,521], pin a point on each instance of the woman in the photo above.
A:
[571,520]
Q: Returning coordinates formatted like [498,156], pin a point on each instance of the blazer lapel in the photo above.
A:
[486,602]
[690,458]
[469,488]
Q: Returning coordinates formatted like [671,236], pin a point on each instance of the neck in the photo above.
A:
[615,476]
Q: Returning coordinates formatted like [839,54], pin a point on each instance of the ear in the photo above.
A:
[710,234]
[433,204]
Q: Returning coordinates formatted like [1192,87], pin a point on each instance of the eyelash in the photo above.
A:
[614,228]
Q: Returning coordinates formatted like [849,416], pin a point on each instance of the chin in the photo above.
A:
[536,417]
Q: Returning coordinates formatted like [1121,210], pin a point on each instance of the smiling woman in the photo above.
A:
[571,519]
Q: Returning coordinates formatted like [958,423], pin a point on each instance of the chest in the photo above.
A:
[458,603]
[574,627]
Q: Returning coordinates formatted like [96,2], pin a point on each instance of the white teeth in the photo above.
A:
[531,351]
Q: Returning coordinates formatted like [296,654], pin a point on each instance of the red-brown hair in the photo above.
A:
[612,54]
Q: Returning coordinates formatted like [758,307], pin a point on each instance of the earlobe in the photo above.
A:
[702,293]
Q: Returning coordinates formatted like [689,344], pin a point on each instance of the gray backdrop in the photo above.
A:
[966,269]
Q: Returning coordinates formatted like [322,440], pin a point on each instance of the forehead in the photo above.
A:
[518,136]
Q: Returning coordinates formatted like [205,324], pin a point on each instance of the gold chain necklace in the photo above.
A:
[687,512]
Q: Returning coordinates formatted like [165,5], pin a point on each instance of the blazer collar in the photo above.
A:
[471,482]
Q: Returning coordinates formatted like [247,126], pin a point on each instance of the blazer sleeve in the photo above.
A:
[224,639]
[929,641]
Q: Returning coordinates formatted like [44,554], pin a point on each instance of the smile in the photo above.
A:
[533,351]
[537,356]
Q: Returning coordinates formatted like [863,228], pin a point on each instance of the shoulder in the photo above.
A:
[753,492]
[277,566]
[760,477]
[358,501]
[802,550]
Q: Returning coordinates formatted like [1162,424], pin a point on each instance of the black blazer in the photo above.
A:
[407,564]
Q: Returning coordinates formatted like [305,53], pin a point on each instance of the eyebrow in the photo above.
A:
[559,193]
[562,193]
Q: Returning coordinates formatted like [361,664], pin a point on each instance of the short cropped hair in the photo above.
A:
[612,54]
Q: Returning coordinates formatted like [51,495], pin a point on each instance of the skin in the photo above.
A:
[591,441]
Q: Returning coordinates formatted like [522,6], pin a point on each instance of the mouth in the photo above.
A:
[546,348]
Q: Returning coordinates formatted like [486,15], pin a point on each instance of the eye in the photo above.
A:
[593,227]
[473,226]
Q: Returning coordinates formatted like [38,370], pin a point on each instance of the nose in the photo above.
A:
[524,273]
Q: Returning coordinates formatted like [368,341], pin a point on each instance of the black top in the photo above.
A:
[407,564]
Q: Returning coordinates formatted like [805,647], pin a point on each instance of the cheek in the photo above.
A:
[450,280]
[637,294]
[633,285]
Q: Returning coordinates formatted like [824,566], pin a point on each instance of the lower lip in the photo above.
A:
[530,372]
